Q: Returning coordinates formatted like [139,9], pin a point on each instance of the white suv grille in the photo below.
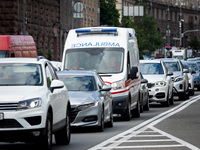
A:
[8,106]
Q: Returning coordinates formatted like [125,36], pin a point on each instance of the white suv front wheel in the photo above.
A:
[63,136]
[45,140]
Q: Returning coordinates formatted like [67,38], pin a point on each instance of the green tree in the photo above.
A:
[49,55]
[109,15]
[194,43]
[149,38]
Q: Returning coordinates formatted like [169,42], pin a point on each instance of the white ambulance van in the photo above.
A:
[113,53]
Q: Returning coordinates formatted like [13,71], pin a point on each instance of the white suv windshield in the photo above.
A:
[151,68]
[20,74]
[173,66]
[101,60]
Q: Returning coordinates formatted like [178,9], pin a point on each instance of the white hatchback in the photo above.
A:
[160,83]
[34,104]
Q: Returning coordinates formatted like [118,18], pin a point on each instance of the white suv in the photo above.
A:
[159,79]
[180,77]
[34,104]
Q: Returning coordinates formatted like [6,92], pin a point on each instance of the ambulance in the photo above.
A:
[113,53]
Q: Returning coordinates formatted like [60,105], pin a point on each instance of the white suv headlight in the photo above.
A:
[178,79]
[161,83]
[118,85]
[29,104]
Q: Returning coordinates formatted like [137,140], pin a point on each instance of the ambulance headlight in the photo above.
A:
[118,85]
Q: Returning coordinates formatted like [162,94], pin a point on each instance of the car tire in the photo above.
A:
[136,111]
[198,87]
[141,107]
[146,106]
[167,103]
[101,127]
[127,114]
[63,136]
[192,92]
[45,140]
[111,122]
[172,99]
[182,96]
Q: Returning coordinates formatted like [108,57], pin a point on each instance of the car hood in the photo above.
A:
[15,94]
[176,74]
[80,98]
[154,78]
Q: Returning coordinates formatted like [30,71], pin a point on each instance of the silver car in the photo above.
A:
[90,98]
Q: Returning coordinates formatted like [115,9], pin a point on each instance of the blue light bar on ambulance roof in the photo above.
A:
[96,30]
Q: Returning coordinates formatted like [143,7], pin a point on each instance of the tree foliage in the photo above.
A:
[109,15]
[149,38]
[194,43]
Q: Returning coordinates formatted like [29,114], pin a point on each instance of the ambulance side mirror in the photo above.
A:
[133,73]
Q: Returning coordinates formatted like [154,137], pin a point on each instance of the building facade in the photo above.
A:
[168,14]
[48,21]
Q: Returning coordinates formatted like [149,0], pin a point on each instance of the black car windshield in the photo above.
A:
[173,66]
[151,68]
[19,74]
[101,60]
[78,83]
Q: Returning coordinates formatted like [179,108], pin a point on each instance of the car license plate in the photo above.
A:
[1,116]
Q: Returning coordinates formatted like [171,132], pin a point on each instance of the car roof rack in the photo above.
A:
[40,57]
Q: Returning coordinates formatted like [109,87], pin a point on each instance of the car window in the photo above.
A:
[151,68]
[53,72]
[100,82]
[173,66]
[78,83]
[192,67]
[19,74]
[48,75]
[102,60]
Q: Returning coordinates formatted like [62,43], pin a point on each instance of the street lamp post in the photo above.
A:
[168,25]
[180,25]
[24,17]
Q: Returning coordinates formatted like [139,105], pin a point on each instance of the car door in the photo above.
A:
[107,100]
[57,97]
[169,79]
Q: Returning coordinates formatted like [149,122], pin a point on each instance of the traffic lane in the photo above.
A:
[147,136]
[84,138]
[185,125]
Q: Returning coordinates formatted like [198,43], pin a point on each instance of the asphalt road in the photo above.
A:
[175,128]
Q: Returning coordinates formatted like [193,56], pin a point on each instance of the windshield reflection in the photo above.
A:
[101,60]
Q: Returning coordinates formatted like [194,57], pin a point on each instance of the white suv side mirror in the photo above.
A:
[56,84]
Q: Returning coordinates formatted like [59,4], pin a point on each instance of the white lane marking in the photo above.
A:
[110,143]
[176,139]
[136,147]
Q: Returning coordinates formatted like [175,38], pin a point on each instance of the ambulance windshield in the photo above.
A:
[101,60]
